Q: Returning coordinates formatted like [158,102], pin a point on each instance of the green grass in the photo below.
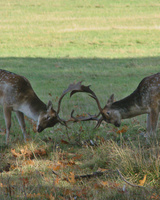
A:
[111,45]
[79,29]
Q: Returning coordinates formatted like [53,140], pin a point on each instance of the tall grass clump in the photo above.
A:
[133,161]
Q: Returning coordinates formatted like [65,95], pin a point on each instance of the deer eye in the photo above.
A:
[47,117]
[108,113]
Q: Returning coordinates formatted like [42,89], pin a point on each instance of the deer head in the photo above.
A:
[47,118]
[111,115]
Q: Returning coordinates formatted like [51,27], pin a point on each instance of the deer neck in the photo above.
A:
[130,106]
[32,107]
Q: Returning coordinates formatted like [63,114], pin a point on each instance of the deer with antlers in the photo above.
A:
[144,100]
[17,94]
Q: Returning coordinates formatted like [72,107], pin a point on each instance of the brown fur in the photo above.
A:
[144,100]
[17,94]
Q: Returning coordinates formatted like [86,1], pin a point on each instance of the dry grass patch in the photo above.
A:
[90,172]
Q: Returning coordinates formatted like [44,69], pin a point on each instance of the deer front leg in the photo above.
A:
[152,121]
[20,117]
[7,117]
[148,126]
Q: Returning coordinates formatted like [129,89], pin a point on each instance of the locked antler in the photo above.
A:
[82,118]
[73,88]
[93,95]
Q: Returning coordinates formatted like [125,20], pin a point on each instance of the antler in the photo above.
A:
[99,122]
[93,95]
[78,87]
[82,118]
[74,88]
[88,90]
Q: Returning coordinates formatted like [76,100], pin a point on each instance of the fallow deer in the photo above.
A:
[144,100]
[17,94]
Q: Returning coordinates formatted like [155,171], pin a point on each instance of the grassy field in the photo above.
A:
[110,45]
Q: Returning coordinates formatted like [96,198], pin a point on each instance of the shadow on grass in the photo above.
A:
[74,65]
[100,72]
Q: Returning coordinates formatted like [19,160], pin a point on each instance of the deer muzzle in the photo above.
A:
[40,129]
[117,124]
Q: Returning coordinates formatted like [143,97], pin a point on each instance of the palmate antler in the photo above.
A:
[78,87]
[74,88]
[87,89]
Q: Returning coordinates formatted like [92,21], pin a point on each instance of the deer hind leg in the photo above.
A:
[7,117]
[20,117]
[152,121]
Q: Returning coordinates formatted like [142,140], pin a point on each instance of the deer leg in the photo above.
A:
[7,117]
[152,122]
[148,125]
[20,117]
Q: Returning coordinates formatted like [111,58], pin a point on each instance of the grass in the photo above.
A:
[110,45]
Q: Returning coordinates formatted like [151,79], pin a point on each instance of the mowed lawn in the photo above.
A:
[110,45]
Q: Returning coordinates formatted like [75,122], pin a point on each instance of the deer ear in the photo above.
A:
[49,106]
[111,99]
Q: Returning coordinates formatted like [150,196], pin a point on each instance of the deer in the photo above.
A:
[17,95]
[145,99]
